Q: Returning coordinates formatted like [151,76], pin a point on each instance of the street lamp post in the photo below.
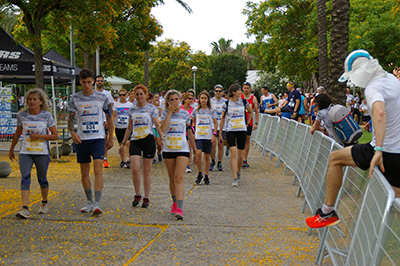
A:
[194,69]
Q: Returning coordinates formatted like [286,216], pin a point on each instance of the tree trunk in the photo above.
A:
[86,54]
[322,45]
[339,47]
[146,71]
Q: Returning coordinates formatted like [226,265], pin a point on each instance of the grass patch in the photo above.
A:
[366,137]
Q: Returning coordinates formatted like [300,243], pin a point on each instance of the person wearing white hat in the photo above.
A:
[382,91]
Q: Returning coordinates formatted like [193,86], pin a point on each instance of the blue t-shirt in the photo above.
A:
[293,96]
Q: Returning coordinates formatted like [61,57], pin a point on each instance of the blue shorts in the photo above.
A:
[204,145]
[87,148]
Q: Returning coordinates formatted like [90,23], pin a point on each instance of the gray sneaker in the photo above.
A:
[88,207]
[235,182]
[44,208]
[238,177]
[96,209]
[23,213]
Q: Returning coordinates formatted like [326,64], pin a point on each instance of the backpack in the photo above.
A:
[244,105]
[346,128]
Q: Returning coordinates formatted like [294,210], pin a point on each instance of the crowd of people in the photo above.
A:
[176,128]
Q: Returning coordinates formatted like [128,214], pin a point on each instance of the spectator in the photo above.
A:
[293,102]
[303,106]
[269,103]
[365,117]
[349,99]
[323,122]
[356,107]
[382,91]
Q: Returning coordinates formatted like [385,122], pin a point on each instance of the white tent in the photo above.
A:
[116,82]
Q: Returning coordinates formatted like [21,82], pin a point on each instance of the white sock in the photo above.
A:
[327,209]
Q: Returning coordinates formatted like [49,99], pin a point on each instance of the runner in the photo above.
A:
[121,120]
[88,106]
[155,132]
[187,103]
[253,105]
[236,131]
[216,103]
[205,119]
[34,123]
[175,122]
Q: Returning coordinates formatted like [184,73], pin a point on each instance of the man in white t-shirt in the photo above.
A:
[382,91]
[99,88]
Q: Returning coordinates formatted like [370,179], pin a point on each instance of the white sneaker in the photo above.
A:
[44,208]
[188,170]
[88,207]
[96,209]
[235,182]
[23,213]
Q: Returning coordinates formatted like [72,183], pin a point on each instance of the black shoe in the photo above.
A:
[146,203]
[136,201]
[206,180]
[199,179]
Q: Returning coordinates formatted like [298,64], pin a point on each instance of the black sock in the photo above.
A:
[200,173]
[44,201]
[205,176]
[219,163]
[213,161]
[26,207]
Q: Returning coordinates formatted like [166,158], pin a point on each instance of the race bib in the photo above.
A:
[203,125]
[122,120]
[140,127]
[90,127]
[34,145]
[174,143]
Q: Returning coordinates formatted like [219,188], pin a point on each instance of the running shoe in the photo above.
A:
[220,167]
[146,203]
[206,180]
[199,179]
[88,207]
[174,208]
[322,220]
[188,170]
[245,164]
[105,164]
[96,208]
[179,214]
[159,157]
[122,165]
[212,166]
[238,177]
[227,152]
[154,161]
[128,164]
[44,208]
[136,201]
[235,182]
[23,213]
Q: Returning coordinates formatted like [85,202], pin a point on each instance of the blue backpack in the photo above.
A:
[344,124]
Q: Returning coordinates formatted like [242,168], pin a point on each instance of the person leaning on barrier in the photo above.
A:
[382,91]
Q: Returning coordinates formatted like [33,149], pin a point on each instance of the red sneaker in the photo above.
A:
[174,208]
[105,164]
[322,220]
[179,214]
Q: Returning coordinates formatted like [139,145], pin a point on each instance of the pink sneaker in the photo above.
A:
[174,208]
[179,214]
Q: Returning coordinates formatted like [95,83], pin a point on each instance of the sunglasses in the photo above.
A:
[122,95]
[190,98]
[217,91]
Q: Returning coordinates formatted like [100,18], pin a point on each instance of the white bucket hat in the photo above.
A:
[361,68]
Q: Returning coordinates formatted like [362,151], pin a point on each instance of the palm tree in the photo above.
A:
[339,47]
[322,44]
[9,19]
[222,47]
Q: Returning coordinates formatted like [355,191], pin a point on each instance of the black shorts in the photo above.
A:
[362,155]
[204,145]
[120,134]
[365,118]
[224,135]
[249,130]
[356,112]
[147,145]
[237,138]
[174,155]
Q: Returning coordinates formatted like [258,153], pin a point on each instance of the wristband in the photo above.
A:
[377,148]
[256,123]
[214,133]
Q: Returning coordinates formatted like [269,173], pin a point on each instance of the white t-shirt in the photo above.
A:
[110,99]
[122,110]
[204,122]
[175,136]
[89,110]
[386,90]
[142,120]
[35,124]
[349,98]
[235,115]
[217,105]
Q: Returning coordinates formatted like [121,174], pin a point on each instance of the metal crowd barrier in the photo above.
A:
[369,231]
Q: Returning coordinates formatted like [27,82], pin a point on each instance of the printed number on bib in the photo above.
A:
[34,145]
[174,143]
[90,127]
[140,127]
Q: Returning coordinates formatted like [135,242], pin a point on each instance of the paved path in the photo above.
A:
[258,223]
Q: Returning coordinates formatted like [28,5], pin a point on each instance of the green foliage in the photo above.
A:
[275,82]
[171,67]
[227,69]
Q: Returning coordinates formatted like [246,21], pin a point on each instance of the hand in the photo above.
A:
[195,156]
[255,126]
[34,136]
[11,155]
[109,144]
[312,129]
[376,160]
[75,138]
[105,125]
[213,139]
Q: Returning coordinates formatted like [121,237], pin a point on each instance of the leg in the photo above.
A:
[170,164]
[396,191]
[135,164]
[98,174]
[146,177]
[233,161]
[180,165]
[220,150]
[247,148]
[85,178]
[206,163]
[213,149]
[337,160]
[42,164]
[199,161]
[240,158]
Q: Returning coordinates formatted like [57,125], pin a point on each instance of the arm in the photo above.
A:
[257,113]
[276,102]
[128,132]
[17,134]
[221,124]
[52,136]
[248,108]
[158,127]
[110,142]
[305,104]
[215,130]
[379,126]
[75,138]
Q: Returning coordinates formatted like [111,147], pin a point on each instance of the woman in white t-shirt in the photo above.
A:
[34,123]
[205,119]
[176,123]
[121,120]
